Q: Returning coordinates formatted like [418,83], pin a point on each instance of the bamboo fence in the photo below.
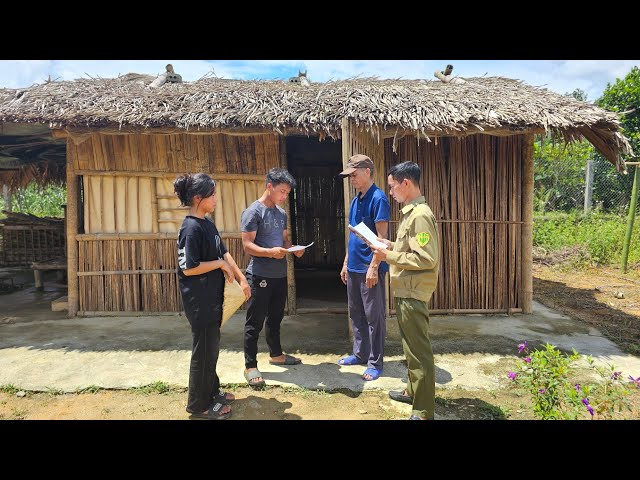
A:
[474,188]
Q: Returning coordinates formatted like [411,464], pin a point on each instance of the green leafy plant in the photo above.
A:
[41,202]
[90,389]
[9,389]
[155,387]
[600,234]
[546,374]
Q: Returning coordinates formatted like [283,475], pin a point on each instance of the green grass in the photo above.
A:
[90,389]
[601,236]
[9,389]
[156,387]
[54,391]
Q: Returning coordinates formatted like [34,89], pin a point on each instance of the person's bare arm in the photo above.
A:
[343,272]
[205,267]
[238,274]
[248,243]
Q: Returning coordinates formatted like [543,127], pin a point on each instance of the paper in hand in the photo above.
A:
[370,238]
[295,248]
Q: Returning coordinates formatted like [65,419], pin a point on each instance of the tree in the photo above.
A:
[578,94]
[624,97]
[559,174]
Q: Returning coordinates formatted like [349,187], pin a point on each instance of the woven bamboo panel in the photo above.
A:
[217,153]
[234,196]
[474,188]
[107,284]
[119,204]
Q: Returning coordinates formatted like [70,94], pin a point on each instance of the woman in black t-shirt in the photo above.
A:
[203,265]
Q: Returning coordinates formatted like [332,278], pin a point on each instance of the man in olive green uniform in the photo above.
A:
[414,259]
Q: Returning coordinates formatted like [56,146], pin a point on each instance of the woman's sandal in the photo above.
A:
[222,397]
[214,413]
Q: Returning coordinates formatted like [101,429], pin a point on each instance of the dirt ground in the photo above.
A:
[604,298]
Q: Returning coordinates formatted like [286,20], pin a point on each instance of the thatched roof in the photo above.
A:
[493,105]
[29,154]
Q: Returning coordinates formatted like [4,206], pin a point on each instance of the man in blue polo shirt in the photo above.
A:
[362,274]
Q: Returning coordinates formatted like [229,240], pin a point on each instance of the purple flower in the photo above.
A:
[528,359]
[542,390]
[616,375]
[635,380]
[577,387]
[522,346]
[586,404]
[512,375]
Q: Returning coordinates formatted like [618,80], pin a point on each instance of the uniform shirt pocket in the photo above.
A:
[403,231]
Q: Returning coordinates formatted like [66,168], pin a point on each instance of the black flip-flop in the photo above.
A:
[221,397]
[288,360]
[399,396]
[212,413]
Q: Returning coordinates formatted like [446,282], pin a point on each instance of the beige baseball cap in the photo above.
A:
[357,161]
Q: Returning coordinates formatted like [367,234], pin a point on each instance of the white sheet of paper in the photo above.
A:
[371,237]
[295,248]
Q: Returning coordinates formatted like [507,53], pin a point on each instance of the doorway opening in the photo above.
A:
[317,215]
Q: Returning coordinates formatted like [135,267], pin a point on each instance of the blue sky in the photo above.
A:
[561,76]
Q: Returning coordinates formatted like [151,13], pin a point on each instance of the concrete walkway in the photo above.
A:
[41,350]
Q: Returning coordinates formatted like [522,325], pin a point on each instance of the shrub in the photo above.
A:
[546,375]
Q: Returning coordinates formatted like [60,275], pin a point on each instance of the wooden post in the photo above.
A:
[346,154]
[527,225]
[291,272]
[72,230]
[155,226]
[630,219]
[6,196]
[588,187]
[37,275]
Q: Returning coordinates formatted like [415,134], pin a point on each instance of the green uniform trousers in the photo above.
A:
[413,322]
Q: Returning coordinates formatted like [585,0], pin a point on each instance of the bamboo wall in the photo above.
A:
[319,204]
[318,200]
[474,188]
[359,141]
[126,254]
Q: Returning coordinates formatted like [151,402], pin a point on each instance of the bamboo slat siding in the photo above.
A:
[216,153]
[134,275]
[360,141]
[138,204]
[319,216]
[145,204]
[473,185]
[129,274]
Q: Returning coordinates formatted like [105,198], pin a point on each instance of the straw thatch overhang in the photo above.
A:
[385,108]
[28,153]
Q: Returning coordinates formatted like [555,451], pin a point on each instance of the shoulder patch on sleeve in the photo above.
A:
[423,238]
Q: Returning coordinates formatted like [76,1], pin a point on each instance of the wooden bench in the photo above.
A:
[59,264]
[6,281]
